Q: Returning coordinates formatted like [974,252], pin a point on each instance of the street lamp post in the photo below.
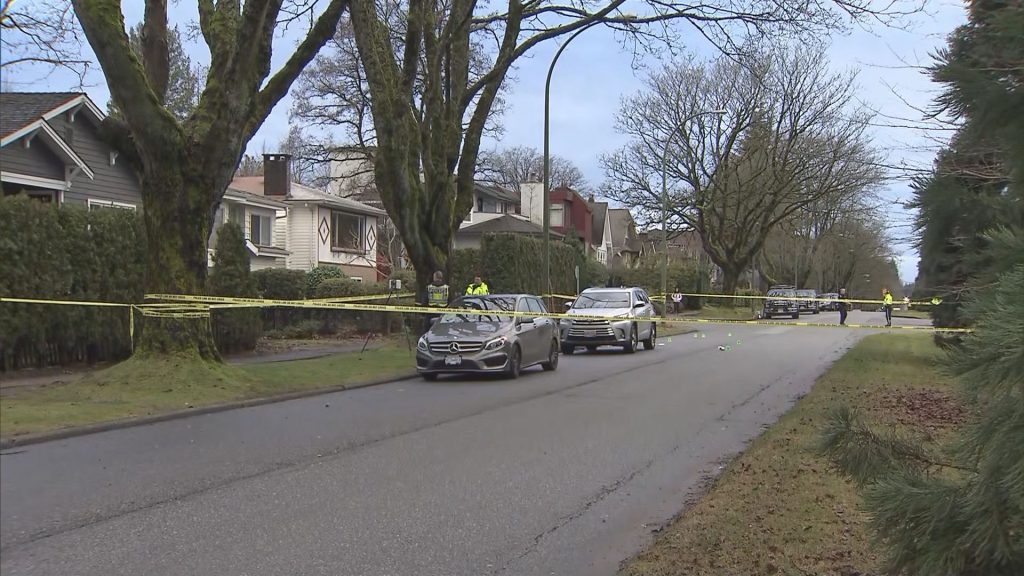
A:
[664,200]
[547,145]
[546,203]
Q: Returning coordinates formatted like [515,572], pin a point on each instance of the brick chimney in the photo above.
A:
[277,174]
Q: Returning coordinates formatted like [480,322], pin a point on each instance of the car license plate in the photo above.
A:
[452,360]
[590,333]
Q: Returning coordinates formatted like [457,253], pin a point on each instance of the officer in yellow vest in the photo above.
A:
[437,297]
[887,305]
[478,287]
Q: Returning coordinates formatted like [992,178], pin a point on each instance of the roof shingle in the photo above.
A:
[19,109]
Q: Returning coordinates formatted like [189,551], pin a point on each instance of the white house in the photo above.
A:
[264,223]
[320,228]
[491,202]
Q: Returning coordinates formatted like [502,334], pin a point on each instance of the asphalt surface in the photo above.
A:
[555,473]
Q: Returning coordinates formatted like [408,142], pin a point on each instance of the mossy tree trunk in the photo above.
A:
[185,166]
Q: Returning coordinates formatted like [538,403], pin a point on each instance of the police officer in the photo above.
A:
[844,306]
[437,297]
[887,305]
[478,287]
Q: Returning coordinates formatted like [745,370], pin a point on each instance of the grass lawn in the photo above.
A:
[778,508]
[140,388]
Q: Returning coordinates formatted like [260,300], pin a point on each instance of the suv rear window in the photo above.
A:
[782,293]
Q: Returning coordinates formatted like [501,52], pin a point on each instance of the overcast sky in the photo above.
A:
[594,73]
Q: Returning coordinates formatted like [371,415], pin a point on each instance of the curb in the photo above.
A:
[64,433]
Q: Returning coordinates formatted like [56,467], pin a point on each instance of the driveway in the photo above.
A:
[555,473]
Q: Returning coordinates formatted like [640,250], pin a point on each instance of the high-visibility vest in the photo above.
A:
[887,300]
[437,296]
[479,290]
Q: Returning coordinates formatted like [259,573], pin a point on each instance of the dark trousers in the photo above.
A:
[888,314]
[842,313]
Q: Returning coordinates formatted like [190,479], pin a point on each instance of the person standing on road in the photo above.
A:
[844,306]
[478,287]
[437,297]
[677,300]
[887,306]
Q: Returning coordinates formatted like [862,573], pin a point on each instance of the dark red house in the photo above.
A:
[571,212]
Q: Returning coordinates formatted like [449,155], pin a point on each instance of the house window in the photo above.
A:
[101,204]
[347,232]
[236,214]
[261,229]
[479,204]
[557,215]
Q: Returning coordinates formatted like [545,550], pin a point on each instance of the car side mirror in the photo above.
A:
[569,304]
[639,305]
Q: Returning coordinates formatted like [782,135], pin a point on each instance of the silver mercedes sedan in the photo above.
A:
[484,340]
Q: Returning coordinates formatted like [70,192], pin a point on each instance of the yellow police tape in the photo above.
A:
[659,296]
[194,306]
[357,306]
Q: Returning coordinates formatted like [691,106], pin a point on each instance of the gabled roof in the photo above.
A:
[497,192]
[507,224]
[19,109]
[26,114]
[620,220]
[23,112]
[600,210]
[300,193]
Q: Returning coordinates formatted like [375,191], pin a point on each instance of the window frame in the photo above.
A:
[557,208]
[259,217]
[96,203]
[362,247]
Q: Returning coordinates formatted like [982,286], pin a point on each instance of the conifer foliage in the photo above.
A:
[959,510]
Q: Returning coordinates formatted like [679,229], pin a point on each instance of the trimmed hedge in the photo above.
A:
[512,263]
[72,254]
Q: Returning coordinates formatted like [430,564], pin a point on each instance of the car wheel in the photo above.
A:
[429,377]
[768,316]
[633,342]
[796,316]
[816,310]
[568,349]
[552,363]
[652,341]
[515,363]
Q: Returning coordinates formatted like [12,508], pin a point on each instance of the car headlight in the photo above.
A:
[496,343]
[422,345]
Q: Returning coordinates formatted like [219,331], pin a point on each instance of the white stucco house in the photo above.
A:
[308,227]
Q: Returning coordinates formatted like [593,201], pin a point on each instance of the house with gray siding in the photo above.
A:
[50,149]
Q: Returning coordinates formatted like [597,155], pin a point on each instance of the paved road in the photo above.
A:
[562,473]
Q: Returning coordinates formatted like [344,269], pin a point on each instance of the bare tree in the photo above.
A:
[428,134]
[511,167]
[41,32]
[789,138]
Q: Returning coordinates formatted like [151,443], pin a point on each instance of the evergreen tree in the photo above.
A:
[233,330]
[961,511]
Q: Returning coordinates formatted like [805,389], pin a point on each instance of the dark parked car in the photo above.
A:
[783,303]
[811,304]
[484,340]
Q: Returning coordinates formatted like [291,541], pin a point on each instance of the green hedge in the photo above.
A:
[512,263]
[70,254]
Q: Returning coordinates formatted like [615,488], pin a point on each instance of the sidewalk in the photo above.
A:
[292,350]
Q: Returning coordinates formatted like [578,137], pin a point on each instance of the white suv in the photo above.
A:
[629,314]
